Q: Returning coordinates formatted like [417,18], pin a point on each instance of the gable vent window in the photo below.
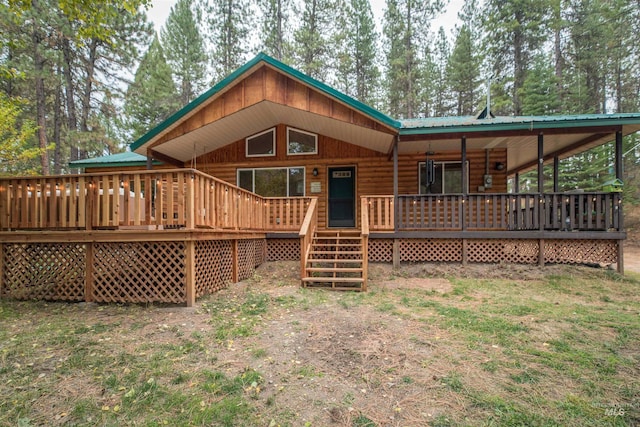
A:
[262,144]
[301,142]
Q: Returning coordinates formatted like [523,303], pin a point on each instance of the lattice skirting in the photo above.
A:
[139,272]
[431,250]
[580,251]
[214,266]
[251,253]
[380,250]
[511,251]
[283,250]
[46,271]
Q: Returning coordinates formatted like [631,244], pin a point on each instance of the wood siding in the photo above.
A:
[374,171]
[266,84]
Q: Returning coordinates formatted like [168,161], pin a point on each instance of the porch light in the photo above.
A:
[499,166]
[315,172]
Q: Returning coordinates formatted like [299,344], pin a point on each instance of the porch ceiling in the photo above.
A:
[522,146]
[264,115]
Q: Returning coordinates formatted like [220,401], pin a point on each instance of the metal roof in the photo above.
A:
[115,160]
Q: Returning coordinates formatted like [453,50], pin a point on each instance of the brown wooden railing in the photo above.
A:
[379,211]
[181,198]
[307,231]
[556,211]
[364,221]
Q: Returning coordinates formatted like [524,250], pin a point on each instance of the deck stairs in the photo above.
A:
[336,261]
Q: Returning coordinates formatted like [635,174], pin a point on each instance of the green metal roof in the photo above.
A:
[469,124]
[262,57]
[114,160]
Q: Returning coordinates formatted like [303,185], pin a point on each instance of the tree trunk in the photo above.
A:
[41,118]
[88,88]
[57,125]
[72,121]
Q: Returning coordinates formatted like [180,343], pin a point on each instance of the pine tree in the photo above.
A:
[357,71]
[185,50]
[514,34]
[229,22]
[312,39]
[539,94]
[152,96]
[406,28]
[463,69]
[274,21]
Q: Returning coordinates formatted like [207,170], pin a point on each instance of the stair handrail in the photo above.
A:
[307,231]
[364,224]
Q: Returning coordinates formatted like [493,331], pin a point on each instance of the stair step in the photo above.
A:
[334,261]
[333,279]
[335,269]
[335,252]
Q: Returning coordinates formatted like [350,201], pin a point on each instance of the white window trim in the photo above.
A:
[420,164]
[273,143]
[253,177]
[315,135]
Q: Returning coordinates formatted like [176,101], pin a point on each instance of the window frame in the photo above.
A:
[286,168]
[442,163]
[273,143]
[315,136]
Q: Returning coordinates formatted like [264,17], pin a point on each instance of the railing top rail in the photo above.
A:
[304,229]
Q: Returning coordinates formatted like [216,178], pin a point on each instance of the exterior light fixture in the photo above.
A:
[315,172]
[499,166]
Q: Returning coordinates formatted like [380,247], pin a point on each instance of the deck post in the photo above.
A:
[191,204]
[540,207]
[620,262]
[396,219]
[465,186]
[619,174]
[190,272]
[88,272]
[541,252]
[464,251]
[234,256]
[516,183]
[556,172]
[396,253]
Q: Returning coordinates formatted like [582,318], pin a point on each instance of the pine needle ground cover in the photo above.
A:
[436,345]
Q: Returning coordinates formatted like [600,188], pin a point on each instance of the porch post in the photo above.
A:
[396,220]
[556,173]
[540,163]
[395,184]
[465,187]
[619,159]
[619,174]
[516,183]
[540,207]
[149,159]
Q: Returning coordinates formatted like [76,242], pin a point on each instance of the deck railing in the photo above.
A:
[595,211]
[181,198]
[307,231]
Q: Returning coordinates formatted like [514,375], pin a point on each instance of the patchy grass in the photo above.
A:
[512,346]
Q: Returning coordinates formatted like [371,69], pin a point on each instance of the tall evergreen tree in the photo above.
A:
[406,28]
[357,70]
[515,31]
[275,18]
[152,96]
[185,50]
[463,70]
[229,23]
[539,94]
[312,39]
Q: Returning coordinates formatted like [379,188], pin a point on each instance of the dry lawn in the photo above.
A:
[428,345]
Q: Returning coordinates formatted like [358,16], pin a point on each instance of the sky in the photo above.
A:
[160,10]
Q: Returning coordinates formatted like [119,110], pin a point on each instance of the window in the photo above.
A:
[448,178]
[301,142]
[262,144]
[273,182]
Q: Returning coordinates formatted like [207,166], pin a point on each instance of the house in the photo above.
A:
[270,164]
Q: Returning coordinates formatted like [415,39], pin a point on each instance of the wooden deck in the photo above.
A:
[173,236]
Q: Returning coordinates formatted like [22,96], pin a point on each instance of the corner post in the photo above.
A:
[540,207]
[619,174]
[88,272]
[620,262]
[190,272]
[396,220]
[556,173]
[465,183]
[235,272]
